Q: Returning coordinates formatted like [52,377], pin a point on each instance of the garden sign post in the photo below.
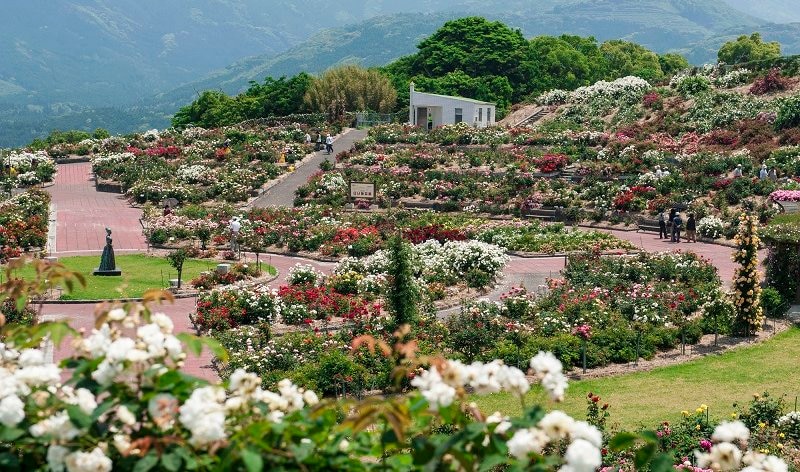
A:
[362,191]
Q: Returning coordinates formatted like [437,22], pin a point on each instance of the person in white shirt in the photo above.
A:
[329,144]
[235,226]
[308,139]
[762,174]
[737,172]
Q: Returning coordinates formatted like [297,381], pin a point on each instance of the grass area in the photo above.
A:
[139,274]
[647,398]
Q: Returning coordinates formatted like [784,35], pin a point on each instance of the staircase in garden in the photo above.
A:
[537,114]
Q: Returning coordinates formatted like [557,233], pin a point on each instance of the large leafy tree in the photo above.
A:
[275,97]
[626,58]
[564,62]
[748,49]
[360,89]
[473,45]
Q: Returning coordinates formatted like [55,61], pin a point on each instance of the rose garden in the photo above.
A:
[500,303]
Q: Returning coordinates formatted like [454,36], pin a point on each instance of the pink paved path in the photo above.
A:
[82,213]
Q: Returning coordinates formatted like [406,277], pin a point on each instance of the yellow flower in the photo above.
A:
[762,425]
[704,407]
[697,427]
[780,446]
[685,413]
[756,396]
[781,435]
[734,415]
[698,410]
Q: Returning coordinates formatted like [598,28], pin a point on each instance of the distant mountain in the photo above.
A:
[776,11]
[381,40]
[94,52]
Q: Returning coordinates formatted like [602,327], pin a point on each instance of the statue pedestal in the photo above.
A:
[107,273]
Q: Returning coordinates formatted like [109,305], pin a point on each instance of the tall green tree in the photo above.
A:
[748,49]
[625,58]
[360,89]
[672,63]
[475,46]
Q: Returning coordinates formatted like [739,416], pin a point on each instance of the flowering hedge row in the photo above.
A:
[198,165]
[23,223]
[333,232]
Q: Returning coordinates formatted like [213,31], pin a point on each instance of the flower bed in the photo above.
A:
[332,232]
[199,165]
[30,168]
[23,223]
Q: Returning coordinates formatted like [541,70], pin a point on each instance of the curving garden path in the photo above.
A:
[82,213]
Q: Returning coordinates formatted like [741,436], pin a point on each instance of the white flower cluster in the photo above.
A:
[27,375]
[582,454]
[193,173]
[553,97]
[125,357]
[626,88]
[20,374]
[194,132]
[441,384]
[727,454]
[109,159]
[151,135]
[304,274]
[204,414]
[331,184]
[24,161]
[710,227]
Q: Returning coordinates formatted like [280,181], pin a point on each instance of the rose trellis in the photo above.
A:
[746,278]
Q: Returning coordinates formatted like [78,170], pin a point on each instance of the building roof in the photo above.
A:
[463,99]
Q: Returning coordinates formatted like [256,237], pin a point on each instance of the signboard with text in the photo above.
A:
[362,190]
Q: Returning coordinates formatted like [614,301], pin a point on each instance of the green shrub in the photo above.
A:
[762,409]
[773,303]
[788,113]
[338,373]
[694,85]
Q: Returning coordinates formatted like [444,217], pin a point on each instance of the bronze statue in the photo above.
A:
[108,265]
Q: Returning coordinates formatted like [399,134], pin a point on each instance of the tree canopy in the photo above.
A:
[360,89]
[748,49]
[275,97]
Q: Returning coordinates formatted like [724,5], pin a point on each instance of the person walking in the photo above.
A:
[235,226]
[308,139]
[773,174]
[319,141]
[691,229]
[677,223]
[329,144]
[662,225]
[762,174]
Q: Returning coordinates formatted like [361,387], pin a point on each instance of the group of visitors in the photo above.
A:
[676,224]
[328,142]
[763,173]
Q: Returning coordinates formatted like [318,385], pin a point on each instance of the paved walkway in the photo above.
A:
[282,194]
[82,214]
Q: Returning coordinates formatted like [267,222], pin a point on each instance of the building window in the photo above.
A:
[480,114]
[488,115]
[459,115]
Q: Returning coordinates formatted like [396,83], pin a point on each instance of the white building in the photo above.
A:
[429,110]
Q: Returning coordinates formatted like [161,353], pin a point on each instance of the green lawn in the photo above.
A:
[139,273]
[647,398]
